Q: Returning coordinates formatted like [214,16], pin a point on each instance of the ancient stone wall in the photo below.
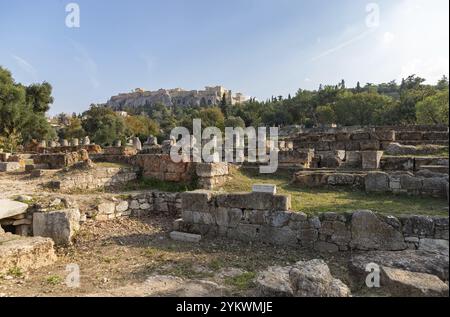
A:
[140,205]
[423,183]
[61,160]
[161,167]
[94,178]
[266,218]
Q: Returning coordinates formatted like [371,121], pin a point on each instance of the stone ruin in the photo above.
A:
[375,159]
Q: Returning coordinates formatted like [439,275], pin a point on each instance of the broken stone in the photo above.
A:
[314,279]
[185,237]
[274,282]
[412,284]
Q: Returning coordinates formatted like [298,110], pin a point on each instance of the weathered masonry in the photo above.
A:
[266,217]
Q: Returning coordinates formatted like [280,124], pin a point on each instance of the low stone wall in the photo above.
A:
[392,163]
[161,167]
[139,205]
[91,149]
[371,138]
[266,218]
[61,160]
[98,177]
[419,184]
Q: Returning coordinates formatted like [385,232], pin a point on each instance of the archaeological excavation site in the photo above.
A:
[208,157]
[79,219]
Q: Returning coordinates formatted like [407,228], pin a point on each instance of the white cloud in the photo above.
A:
[26,66]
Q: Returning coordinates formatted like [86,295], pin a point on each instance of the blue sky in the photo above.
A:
[258,47]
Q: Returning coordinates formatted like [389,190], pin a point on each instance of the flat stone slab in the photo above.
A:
[10,208]
[263,188]
[25,253]
[185,237]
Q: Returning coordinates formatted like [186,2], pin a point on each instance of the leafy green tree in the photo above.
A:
[433,109]
[325,114]
[234,122]
[39,96]
[19,119]
[103,125]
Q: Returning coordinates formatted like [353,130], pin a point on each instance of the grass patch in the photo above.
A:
[15,271]
[241,282]
[53,280]
[156,184]
[313,201]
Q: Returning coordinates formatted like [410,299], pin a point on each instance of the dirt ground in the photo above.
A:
[117,258]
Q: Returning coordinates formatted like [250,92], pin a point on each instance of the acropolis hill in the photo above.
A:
[175,97]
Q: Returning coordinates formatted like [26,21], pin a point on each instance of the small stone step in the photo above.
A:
[185,237]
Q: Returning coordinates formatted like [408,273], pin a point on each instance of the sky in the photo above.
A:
[258,47]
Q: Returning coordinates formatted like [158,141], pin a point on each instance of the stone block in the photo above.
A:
[9,166]
[199,200]
[376,182]
[264,188]
[211,169]
[370,232]
[255,201]
[106,208]
[371,159]
[57,225]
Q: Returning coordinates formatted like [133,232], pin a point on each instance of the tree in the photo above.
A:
[325,114]
[234,122]
[433,109]
[141,126]
[212,117]
[20,120]
[103,125]
[74,129]
[39,96]
[442,83]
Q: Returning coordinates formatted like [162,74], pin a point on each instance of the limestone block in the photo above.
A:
[376,182]
[370,232]
[371,159]
[58,225]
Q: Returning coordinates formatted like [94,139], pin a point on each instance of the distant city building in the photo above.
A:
[175,98]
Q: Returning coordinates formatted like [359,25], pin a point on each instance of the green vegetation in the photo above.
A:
[313,201]
[241,282]
[15,272]
[53,280]
[22,112]
[410,102]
